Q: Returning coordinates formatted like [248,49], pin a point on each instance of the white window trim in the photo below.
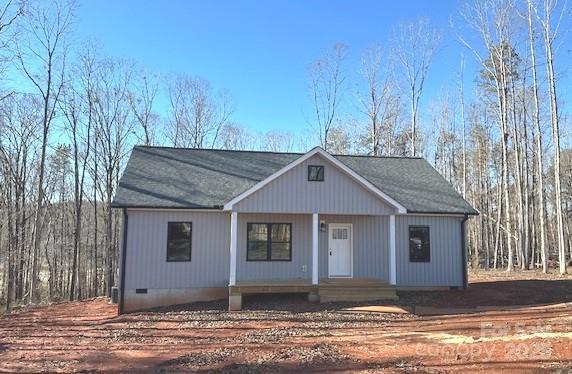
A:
[400,209]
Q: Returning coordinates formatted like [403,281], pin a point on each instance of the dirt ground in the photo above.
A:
[487,330]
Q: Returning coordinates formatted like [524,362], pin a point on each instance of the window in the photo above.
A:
[269,242]
[315,173]
[179,241]
[419,249]
[340,233]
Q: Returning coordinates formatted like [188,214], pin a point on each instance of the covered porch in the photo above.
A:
[333,257]
[322,246]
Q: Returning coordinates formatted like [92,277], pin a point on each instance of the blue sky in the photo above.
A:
[258,50]
[261,50]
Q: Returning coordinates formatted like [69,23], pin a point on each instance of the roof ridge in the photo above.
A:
[372,156]
[215,149]
[268,152]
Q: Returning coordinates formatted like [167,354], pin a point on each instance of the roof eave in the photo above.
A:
[135,206]
[457,213]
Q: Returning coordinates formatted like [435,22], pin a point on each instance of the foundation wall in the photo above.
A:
[165,297]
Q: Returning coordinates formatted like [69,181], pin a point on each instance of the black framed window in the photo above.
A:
[316,173]
[179,241]
[269,242]
[419,244]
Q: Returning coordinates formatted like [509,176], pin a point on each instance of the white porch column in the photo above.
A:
[392,255]
[233,230]
[315,224]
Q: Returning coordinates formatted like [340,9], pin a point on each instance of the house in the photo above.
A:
[208,224]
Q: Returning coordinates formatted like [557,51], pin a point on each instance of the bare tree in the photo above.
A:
[9,13]
[492,20]
[379,103]
[416,45]
[20,116]
[340,140]
[77,105]
[326,87]
[113,127]
[464,125]
[550,33]
[41,56]
[278,141]
[539,150]
[234,136]
[142,99]
[197,114]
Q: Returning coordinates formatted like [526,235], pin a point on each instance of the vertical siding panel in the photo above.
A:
[371,246]
[292,193]
[301,249]
[146,265]
[445,267]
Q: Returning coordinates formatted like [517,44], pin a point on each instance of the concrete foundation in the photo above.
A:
[235,302]
[164,297]
[313,297]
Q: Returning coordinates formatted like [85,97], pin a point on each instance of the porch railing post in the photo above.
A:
[315,225]
[233,231]
[392,254]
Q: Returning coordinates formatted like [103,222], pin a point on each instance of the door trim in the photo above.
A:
[350,226]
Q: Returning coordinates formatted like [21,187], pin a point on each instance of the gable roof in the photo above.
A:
[319,151]
[161,177]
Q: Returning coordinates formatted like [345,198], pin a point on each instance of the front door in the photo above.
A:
[340,250]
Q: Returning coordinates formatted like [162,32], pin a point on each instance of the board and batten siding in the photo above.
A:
[301,265]
[293,193]
[445,267]
[370,246]
[146,263]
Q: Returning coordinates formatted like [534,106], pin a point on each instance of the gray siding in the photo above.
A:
[371,243]
[293,193]
[146,265]
[370,246]
[445,267]
[301,249]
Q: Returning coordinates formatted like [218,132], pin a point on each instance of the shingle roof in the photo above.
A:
[160,177]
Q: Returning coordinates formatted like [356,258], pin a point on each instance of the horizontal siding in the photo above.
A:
[370,246]
[445,267]
[301,249]
[293,193]
[146,265]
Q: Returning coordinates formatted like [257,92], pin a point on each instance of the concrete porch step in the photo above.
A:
[363,297]
[357,289]
[344,289]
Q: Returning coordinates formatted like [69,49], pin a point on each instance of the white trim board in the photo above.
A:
[400,209]
[315,247]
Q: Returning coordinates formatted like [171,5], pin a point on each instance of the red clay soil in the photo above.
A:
[287,334]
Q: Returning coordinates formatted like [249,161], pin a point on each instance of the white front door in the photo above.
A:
[340,264]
